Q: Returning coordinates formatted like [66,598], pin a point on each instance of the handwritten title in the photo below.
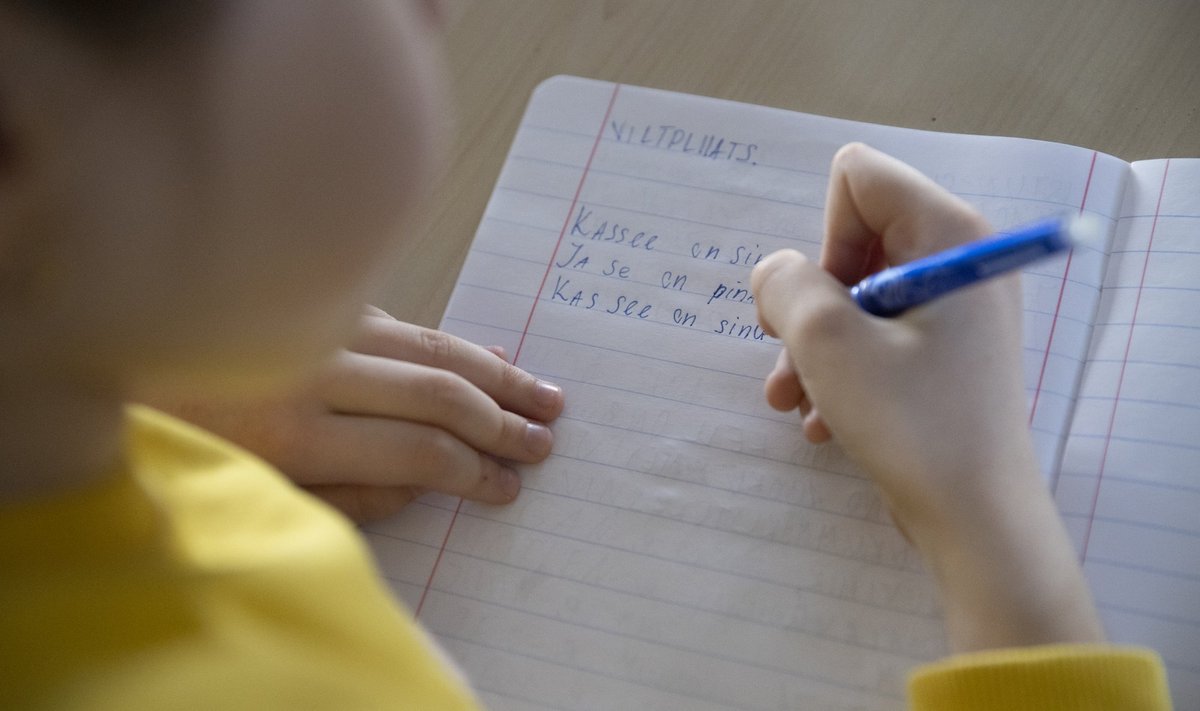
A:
[677,138]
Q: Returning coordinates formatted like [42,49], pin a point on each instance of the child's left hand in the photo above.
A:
[403,411]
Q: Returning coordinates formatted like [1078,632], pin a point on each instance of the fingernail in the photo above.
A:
[510,483]
[548,395]
[538,439]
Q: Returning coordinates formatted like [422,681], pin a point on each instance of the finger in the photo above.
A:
[369,385]
[815,429]
[365,503]
[804,304]
[374,452]
[498,351]
[880,210]
[512,388]
[377,312]
[782,387]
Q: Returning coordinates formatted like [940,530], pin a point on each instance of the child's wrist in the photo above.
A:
[1007,572]
[957,498]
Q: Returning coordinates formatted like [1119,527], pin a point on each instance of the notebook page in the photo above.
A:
[1130,482]
[684,548]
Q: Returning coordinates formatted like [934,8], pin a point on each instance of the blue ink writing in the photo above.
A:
[620,306]
[731,293]
[683,140]
[737,329]
[747,257]
[702,251]
[613,232]
[562,293]
[683,318]
[616,269]
[575,261]
[629,307]
[674,281]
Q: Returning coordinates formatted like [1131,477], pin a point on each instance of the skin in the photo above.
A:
[930,404]
[207,214]
[401,411]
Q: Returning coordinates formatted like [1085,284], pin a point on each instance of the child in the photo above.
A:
[199,198]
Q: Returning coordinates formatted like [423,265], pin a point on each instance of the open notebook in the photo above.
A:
[684,548]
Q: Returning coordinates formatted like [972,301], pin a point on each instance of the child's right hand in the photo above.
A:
[926,402]
[931,404]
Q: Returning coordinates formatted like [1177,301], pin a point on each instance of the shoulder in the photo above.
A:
[201,578]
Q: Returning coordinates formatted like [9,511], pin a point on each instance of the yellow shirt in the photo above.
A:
[1058,677]
[196,577]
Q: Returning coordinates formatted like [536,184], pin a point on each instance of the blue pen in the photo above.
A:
[899,288]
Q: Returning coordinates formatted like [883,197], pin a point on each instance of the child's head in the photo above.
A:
[201,192]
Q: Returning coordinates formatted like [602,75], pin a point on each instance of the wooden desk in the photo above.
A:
[1122,77]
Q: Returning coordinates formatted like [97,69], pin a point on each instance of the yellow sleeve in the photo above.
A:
[194,576]
[1095,677]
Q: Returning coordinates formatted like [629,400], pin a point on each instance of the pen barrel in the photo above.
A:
[897,289]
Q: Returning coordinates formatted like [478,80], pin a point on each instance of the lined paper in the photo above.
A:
[684,548]
[1129,487]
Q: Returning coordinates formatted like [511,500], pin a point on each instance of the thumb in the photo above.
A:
[807,308]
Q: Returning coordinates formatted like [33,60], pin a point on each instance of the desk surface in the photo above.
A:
[1121,77]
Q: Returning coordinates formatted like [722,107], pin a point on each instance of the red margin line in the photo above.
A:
[1112,416]
[438,559]
[562,232]
[574,200]
[1061,290]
